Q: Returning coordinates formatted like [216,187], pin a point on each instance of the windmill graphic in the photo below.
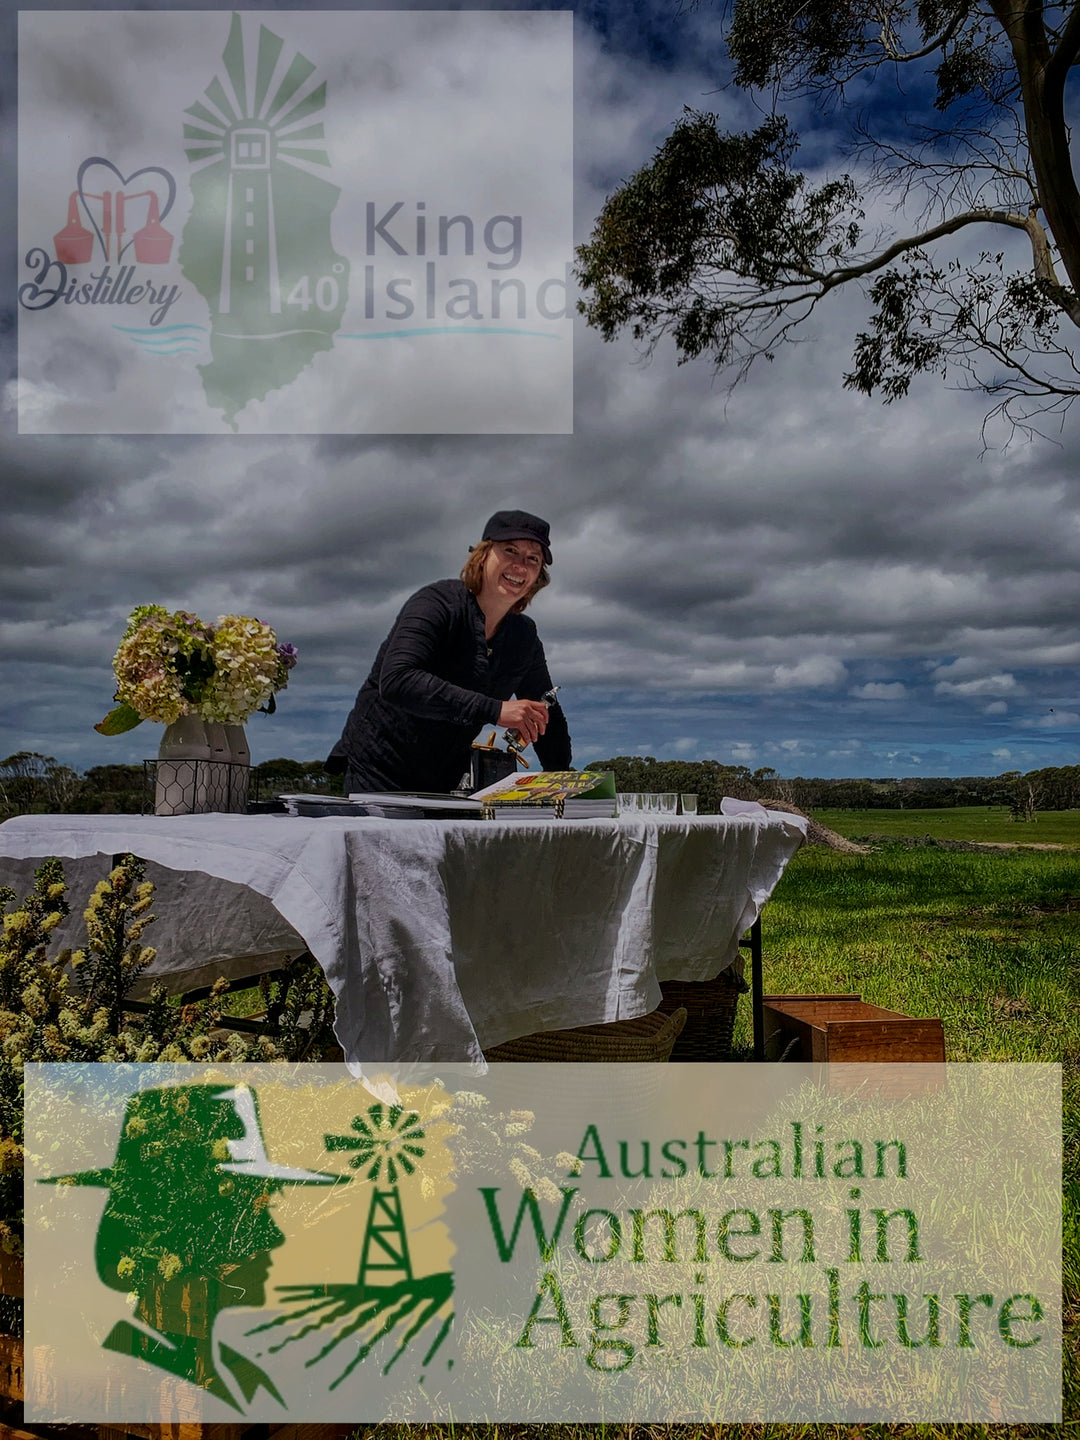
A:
[257,244]
[386,1294]
[387,1145]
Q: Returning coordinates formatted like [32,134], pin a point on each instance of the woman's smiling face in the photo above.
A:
[511,570]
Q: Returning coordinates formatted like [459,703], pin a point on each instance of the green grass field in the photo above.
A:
[981,823]
[988,941]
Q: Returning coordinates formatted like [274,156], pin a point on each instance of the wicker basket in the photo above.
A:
[640,1045]
[710,1014]
[646,1040]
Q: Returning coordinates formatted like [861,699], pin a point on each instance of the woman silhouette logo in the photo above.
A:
[188,1229]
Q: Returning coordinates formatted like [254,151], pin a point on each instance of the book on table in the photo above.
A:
[580,794]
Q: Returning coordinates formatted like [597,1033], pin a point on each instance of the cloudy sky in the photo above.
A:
[791,576]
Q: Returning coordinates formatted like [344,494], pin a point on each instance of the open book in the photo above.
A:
[582,793]
[585,794]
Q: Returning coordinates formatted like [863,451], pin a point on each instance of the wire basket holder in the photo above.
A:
[195,787]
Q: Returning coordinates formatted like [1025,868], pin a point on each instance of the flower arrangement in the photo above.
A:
[171,664]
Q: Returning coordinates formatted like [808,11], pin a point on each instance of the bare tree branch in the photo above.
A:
[888,40]
[842,275]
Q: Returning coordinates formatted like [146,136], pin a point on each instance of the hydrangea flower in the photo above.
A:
[162,663]
[246,670]
[169,665]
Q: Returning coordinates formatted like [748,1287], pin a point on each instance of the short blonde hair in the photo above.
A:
[473,575]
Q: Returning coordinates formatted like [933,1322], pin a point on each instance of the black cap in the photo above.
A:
[519,525]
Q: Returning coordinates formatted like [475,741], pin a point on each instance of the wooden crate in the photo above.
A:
[11,1346]
[14,1427]
[176,1400]
[846,1028]
[11,1369]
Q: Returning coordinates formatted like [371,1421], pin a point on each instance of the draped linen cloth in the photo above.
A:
[437,937]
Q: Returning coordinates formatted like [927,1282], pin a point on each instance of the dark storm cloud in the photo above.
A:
[791,575]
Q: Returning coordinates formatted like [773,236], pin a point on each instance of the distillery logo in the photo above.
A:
[262,290]
[114,249]
[428,291]
[256,244]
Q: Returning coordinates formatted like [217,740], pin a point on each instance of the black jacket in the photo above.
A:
[436,681]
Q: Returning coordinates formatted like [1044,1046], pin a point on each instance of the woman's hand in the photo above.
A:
[528,717]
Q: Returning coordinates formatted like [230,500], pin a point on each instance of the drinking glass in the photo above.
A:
[669,803]
[688,804]
[628,802]
[652,803]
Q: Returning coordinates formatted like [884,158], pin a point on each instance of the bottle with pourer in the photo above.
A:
[514,741]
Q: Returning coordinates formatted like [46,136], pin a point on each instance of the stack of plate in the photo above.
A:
[320,805]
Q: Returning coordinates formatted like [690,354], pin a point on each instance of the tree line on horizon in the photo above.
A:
[31,783]
[1023,794]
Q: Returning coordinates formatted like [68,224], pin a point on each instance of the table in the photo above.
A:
[440,937]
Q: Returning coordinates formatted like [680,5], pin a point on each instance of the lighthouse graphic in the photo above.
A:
[387,1141]
[257,244]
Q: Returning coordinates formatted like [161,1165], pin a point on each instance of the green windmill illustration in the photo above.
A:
[386,1293]
[257,245]
[386,1145]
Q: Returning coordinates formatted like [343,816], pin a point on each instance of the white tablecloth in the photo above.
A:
[439,938]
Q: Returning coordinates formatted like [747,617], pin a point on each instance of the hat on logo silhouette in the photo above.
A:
[190,1135]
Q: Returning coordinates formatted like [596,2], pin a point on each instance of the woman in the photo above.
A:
[187,1230]
[458,652]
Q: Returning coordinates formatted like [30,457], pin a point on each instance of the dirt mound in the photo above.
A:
[818,834]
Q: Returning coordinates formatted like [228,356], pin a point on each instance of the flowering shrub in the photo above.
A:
[169,665]
[72,1008]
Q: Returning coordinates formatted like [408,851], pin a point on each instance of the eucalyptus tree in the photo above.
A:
[955,124]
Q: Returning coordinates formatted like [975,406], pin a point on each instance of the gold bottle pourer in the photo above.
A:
[513,739]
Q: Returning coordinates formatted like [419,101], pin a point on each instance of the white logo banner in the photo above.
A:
[295,222]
